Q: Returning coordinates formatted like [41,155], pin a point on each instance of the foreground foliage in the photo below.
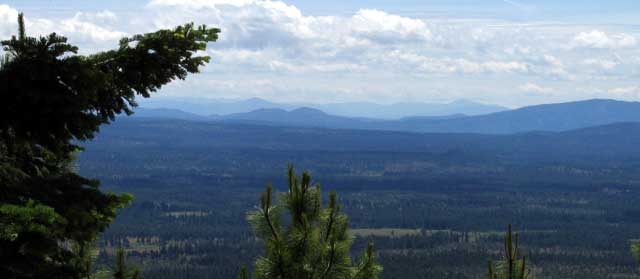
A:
[122,269]
[635,249]
[49,98]
[511,266]
[316,242]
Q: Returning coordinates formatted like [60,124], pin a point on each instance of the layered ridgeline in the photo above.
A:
[616,141]
[549,117]
[352,109]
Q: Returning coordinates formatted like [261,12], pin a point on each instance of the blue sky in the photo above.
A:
[506,52]
[574,10]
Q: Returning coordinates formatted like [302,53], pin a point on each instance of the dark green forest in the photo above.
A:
[435,205]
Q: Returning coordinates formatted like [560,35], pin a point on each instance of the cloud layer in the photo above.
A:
[272,49]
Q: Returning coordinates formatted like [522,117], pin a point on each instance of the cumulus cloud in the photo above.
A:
[8,17]
[262,24]
[600,39]
[198,3]
[79,28]
[555,68]
[553,61]
[369,38]
[625,90]
[601,63]
[315,68]
[382,27]
[276,42]
[90,30]
[530,87]
[445,65]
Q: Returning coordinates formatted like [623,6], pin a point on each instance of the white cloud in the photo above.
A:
[553,61]
[105,17]
[601,63]
[317,68]
[635,90]
[600,39]
[382,27]
[530,87]
[238,56]
[249,16]
[366,38]
[263,24]
[80,29]
[8,21]
[344,53]
[413,62]
[198,3]
[555,68]
[508,67]
[89,30]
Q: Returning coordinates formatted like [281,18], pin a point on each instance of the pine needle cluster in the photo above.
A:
[313,244]
[511,266]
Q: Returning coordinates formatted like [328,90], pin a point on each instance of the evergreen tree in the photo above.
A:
[50,97]
[86,255]
[635,249]
[314,244]
[244,273]
[122,269]
[510,266]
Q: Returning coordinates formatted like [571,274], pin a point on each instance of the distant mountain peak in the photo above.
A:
[279,110]
[463,102]
[308,111]
[257,100]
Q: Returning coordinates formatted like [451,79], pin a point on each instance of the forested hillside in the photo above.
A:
[434,204]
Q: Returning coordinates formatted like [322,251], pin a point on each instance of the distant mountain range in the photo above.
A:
[208,107]
[550,117]
[360,109]
[402,110]
[166,113]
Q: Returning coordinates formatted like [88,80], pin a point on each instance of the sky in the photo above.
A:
[507,52]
